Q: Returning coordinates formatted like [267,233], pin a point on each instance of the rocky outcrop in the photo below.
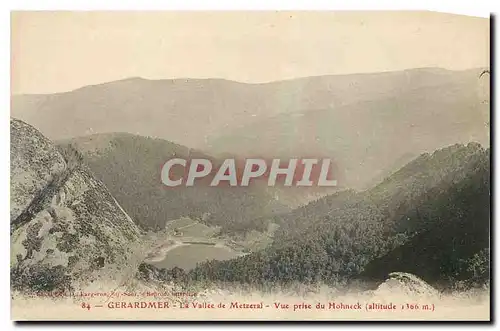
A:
[34,161]
[405,285]
[67,230]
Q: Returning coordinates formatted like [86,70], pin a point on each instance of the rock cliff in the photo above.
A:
[67,230]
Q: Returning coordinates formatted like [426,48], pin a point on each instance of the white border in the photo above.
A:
[471,8]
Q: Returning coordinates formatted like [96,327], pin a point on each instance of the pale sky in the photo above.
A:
[62,51]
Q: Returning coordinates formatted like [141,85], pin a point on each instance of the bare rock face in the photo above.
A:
[34,163]
[67,231]
[405,285]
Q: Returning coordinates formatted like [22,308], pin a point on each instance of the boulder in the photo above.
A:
[403,284]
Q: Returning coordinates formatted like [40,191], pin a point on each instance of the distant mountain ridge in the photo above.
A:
[209,103]
[353,118]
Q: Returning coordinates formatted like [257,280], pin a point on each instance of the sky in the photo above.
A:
[62,51]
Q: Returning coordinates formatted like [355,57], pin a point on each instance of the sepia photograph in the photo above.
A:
[250,166]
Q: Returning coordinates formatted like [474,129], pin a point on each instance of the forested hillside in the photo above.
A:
[130,166]
[430,218]
[451,234]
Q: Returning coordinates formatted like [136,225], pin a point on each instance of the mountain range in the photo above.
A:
[370,124]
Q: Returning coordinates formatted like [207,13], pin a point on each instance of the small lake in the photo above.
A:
[186,257]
